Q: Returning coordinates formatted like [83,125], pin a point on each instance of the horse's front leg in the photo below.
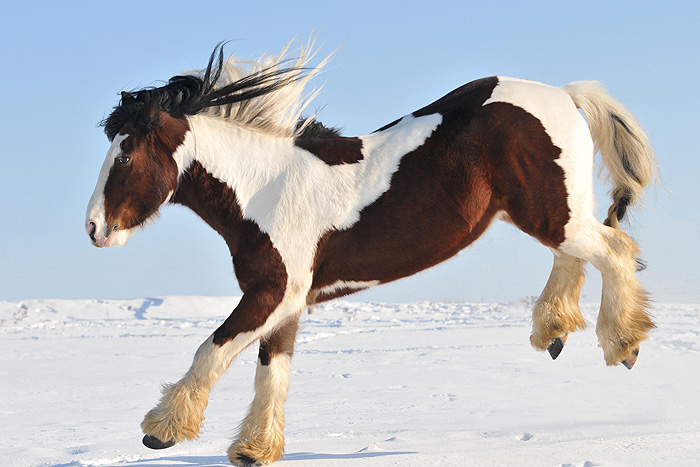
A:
[180,412]
[261,437]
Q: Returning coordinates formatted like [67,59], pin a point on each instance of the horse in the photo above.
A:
[309,215]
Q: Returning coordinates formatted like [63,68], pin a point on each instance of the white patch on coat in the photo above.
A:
[568,131]
[96,207]
[340,285]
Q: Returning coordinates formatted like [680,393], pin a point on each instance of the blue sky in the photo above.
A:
[64,63]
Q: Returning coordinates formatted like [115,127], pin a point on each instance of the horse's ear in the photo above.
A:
[149,116]
[125,96]
[152,108]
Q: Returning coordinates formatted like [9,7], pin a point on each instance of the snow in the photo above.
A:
[375,384]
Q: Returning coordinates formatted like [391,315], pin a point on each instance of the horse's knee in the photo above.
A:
[281,340]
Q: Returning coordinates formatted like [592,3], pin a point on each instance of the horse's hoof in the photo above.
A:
[154,443]
[631,359]
[557,346]
[243,460]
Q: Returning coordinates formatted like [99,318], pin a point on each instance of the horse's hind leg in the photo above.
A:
[624,320]
[557,312]
[261,439]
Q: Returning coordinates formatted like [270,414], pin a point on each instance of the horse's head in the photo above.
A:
[140,173]
[148,128]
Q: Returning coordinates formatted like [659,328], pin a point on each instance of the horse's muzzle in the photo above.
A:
[100,237]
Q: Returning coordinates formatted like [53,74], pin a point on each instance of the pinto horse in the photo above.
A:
[309,215]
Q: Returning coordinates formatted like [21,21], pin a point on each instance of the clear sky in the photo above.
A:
[64,64]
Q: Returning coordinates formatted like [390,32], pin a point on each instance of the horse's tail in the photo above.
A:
[625,148]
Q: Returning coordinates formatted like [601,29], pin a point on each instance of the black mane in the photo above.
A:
[188,95]
[316,129]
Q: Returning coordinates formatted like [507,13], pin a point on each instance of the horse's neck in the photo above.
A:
[224,166]
[243,159]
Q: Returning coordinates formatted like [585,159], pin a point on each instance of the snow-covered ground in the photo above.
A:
[373,384]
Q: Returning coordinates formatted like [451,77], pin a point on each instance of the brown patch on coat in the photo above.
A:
[525,177]
[333,151]
[480,160]
[258,265]
[279,342]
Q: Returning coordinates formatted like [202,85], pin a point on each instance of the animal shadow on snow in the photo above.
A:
[179,461]
[222,461]
[305,456]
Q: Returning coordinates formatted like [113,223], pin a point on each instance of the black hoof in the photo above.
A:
[555,347]
[246,461]
[154,443]
[631,359]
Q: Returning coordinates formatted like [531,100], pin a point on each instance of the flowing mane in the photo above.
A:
[266,94]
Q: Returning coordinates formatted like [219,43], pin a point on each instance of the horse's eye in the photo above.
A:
[122,160]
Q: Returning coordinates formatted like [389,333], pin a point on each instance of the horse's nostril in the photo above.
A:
[91,229]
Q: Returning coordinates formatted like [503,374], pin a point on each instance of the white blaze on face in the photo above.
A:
[95,223]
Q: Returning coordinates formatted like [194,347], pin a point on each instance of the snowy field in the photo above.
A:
[373,384]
